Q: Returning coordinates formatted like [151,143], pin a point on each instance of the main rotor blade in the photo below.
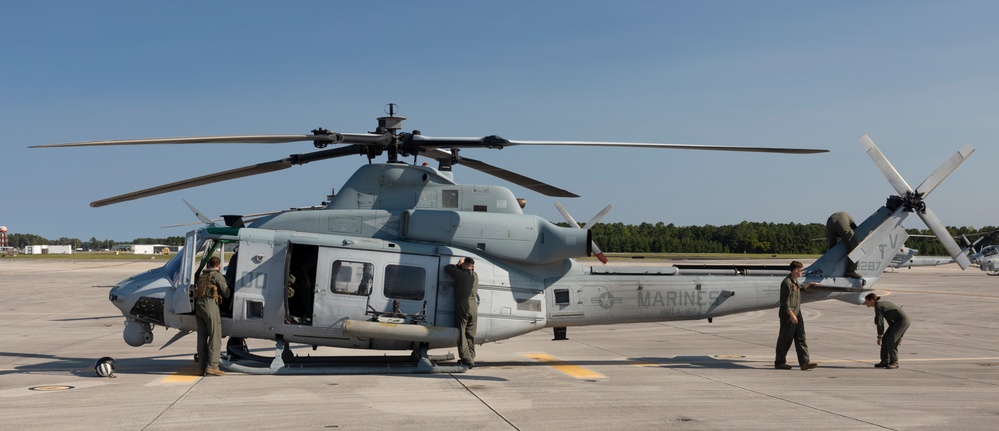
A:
[894,178]
[498,142]
[520,180]
[675,146]
[944,170]
[335,138]
[234,139]
[199,181]
[260,168]
[945,238]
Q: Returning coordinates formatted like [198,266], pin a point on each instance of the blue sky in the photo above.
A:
[922,78]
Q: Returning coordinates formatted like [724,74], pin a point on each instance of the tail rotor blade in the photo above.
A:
[201,216]
[566,215]
[572,222]
[600,215]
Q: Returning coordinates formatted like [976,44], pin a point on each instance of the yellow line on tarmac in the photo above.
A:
[575,371]
[186,374]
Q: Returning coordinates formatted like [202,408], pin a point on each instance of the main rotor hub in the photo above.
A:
[910,202]
[391,123]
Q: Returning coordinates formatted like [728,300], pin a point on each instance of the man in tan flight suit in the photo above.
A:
[208,294]
[466,286]
[792,325]
[840,226]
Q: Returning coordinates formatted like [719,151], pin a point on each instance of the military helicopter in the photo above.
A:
[987,259]
[368,266]
[907,257]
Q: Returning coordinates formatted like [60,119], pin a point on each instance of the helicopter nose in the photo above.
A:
[141,297]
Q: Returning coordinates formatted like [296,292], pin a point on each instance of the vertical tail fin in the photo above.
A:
[882,234]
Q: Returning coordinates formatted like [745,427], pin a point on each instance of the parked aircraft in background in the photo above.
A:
[907,258]
[987,258]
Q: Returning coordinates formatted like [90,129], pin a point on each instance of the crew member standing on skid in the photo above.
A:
[466,286]
[208,294]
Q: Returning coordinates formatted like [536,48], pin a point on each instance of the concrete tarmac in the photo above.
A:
[56,321]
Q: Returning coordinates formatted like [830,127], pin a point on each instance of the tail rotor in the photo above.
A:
[596,219]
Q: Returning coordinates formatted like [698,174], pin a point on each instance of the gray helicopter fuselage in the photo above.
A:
[371,275]
[409,286]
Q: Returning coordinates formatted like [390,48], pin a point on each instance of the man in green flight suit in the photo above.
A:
[840,226]
[792,325]
[889,340]
[466,286]
[208,294]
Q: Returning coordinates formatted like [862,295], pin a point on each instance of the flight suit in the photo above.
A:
[898,322]
[466,286]
[840,226]
[206,309]
[790,299]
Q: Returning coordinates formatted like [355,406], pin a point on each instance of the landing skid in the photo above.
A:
[285,362]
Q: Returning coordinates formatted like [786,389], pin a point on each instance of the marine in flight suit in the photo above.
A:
[840,226]
[792,325]
[208,294]
[466,286]
[898,323]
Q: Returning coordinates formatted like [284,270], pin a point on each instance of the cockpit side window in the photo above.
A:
[352,278]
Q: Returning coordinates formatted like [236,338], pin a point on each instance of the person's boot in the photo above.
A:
[214,372]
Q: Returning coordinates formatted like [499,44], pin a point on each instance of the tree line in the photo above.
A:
[752,238]
[745,237]
[20,240]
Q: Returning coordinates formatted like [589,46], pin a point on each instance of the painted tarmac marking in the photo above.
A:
[186,374]
[571,370]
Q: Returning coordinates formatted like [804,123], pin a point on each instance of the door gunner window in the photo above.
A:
[352,278]
[405,282]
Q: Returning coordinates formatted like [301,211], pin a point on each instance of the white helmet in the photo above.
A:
[105,367]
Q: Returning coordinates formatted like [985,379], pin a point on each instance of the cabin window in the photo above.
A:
[352,278]
[405,282]
[254,310]
[449,199]
[561,296]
